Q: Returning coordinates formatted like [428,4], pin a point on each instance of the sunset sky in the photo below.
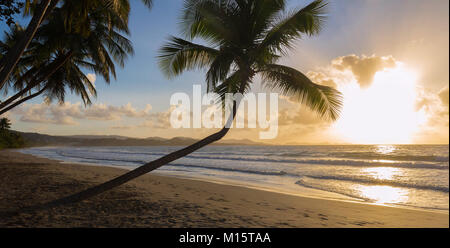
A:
[390,59]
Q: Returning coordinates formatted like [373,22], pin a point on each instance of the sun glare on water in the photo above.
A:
[383,113]
[383,194]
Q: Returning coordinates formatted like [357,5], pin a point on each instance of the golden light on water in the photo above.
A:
[382,173]
[386,149]
[383,113]
[383,194]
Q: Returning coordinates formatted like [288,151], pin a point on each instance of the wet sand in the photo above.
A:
[158,201]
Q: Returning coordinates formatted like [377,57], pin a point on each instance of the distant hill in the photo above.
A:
[97,137]
[36,139]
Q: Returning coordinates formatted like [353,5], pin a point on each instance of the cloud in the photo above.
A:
[443,95]
[321,78]
[433,103]
[364,67]
[158,120]
[123,127]
[41,113]
[301,116]
[67,113]
[436,108]
[109,112]
[349,72]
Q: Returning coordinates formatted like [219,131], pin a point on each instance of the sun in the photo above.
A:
[383,113]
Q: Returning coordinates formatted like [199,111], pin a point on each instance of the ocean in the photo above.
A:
[415,176]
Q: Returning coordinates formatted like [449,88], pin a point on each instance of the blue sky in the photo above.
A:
[360,27]
[143,80]
[349,29]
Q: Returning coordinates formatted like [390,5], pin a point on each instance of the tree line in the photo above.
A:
[9,139]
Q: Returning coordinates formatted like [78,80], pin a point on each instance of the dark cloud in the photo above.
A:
[443,95]
[364,68]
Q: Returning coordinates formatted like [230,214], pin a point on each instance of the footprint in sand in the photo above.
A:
[323,217]
[216,199]
[361,223]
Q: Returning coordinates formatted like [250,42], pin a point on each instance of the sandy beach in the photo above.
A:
[157,201]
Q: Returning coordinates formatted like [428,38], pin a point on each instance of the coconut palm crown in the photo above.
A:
[245,38]
[58,58]
[78,19]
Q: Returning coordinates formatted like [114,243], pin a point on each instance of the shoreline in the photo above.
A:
[202,203]
[237,184]
[313,193]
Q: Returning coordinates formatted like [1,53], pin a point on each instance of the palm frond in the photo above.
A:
[247,37]
[211,20]
[324,100]
[264,12]
[229,85]
[179,55]
[219,69]
[148,3]
[307,20]
[233,84]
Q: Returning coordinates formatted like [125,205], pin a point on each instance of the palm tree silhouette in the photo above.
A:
[78,12]
[5,124]
[10,60]
[56,64]
[247,37]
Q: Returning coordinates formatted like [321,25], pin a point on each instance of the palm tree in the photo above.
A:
[5,124]
[66,53]
[8,62]
[75,11]
[247,37]
[33,63]
[69,76]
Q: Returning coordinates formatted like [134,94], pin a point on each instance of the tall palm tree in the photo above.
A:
[247,37]
[76,11]
[58,60]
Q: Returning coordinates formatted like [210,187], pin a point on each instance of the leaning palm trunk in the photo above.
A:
[144,169]
[19,94]
[17,103]
[13,56]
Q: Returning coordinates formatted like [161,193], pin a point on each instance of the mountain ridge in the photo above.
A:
[37,139]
